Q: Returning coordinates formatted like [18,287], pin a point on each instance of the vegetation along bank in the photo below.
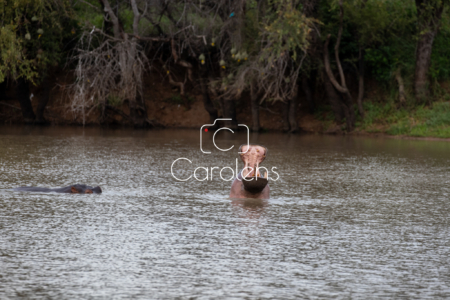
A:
[330,66]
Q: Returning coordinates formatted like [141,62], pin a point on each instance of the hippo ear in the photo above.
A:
[73,190]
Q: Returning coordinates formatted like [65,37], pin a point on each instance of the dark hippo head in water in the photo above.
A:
[71,189]
[82,189]
[250,183]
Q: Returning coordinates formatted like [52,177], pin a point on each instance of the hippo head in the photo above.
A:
[84,189]
[252,179]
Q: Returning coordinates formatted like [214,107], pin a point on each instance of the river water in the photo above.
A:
[349,217]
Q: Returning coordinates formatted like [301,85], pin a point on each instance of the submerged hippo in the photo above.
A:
[71,189]
[253,185]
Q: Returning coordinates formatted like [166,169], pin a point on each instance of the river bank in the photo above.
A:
[166,109]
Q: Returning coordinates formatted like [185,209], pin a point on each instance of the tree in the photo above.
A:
[32,35]
[342,86]
[269,63]
[429,13]
[225,47]
[109,66]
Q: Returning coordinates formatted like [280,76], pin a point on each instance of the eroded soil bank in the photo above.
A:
[164,106]
[166,109]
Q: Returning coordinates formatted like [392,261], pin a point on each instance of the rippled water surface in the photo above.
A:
[349,217]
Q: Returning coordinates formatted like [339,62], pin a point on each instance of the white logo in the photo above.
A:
[208,172]
[205,127]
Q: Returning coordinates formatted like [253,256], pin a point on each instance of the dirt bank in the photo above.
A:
[166,109]
[164,106]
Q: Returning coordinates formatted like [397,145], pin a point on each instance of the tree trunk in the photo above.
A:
[342,87]
[308,94]
[401,87]
[285,115]
[207,103]
[3,86]
[104,113]
[255,109]
[293,105]
[23,95]
[429,17]
[423,61]
[133,112]
[229,111]
[333,99]
[138,112]
[348,111]
[43,101]
[361,82]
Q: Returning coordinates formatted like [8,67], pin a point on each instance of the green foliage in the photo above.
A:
[381,62]
[33,37]
[437,115]
[287,33]
[440,60]
[421,121]
[269,57]
[87,15]
[12,61]
[126,17]
[376,21]
[386,29]
[324,113]
[384,60]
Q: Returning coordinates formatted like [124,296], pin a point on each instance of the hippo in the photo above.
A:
[71,189]
[249,183]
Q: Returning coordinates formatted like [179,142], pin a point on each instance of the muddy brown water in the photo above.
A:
[349,217]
